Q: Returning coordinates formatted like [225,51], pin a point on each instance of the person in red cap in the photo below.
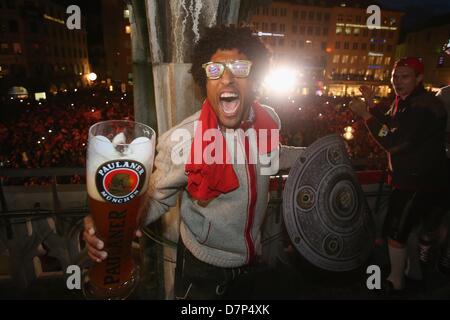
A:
[413,134]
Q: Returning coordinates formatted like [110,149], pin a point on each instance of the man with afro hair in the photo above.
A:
[224,193]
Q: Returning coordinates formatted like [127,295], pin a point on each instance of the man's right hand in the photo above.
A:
[94,245]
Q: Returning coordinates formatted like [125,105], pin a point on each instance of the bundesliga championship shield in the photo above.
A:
[325,212]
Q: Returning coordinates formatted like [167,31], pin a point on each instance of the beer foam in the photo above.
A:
[102,147]
[141,149]
[119,139]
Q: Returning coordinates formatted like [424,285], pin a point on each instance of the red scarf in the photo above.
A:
[207,181]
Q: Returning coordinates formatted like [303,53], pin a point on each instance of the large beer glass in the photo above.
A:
[119,162]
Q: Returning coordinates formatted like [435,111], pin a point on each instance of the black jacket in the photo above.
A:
[413,134]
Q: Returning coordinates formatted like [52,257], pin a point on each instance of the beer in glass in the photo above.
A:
[119,163]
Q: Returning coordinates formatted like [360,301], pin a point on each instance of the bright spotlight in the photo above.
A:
[348,135]
[349,129]
[281,80]
[92,76]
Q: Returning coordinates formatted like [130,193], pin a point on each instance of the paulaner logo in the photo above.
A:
[263,147]
[120,181]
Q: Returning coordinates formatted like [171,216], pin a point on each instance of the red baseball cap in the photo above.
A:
[411,62]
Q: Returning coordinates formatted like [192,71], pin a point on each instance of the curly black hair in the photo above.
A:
[229,37]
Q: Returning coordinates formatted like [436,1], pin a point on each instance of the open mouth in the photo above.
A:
[229,102]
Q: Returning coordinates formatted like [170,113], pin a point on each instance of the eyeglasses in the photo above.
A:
[239,68]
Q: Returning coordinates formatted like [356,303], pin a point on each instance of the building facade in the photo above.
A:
[37,50]
[432,44]
[331,44]
[359,55]
[117,42]
[297,36]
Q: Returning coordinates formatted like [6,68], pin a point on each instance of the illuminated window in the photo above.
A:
[387,60]
[371,59]
[379,60]
[338,30]
[336,58]
[378,74]
[356,31]
[345,58]
[348,31]
[126,14]
[127,29]
[354,59]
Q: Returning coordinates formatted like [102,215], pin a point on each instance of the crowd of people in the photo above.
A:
[53,132]
[307,119]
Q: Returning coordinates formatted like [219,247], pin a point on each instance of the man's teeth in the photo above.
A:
[229,95]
